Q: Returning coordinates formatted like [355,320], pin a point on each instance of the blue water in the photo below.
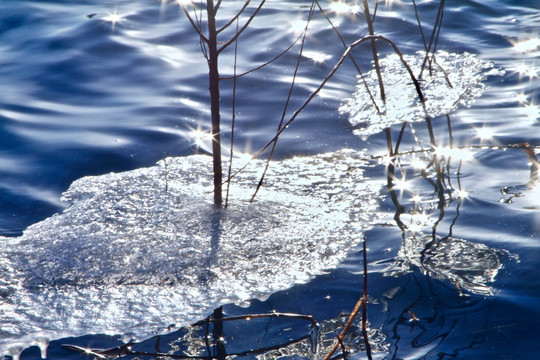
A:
[83,95]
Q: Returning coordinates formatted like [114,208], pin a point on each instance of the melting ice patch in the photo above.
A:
[449,81]
[140,250]
[470,266]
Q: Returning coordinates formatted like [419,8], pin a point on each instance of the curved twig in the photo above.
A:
[197,28]
[226,44]
[235,17]
[286,107]
[264,64]
[323,83]
[351,57]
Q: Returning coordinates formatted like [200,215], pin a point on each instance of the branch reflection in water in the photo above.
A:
[444,281]
[437,253]
[439,281]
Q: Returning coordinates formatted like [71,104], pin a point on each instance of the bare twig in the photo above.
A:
[286,107]
[434,36]
[264,64]
[197,28]
[323,83]
[235,17]
[238,33]
[374,51]
[233,120]
[360,304]
[351,57]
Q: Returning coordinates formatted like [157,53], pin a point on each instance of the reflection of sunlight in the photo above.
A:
[343,7]
[485,133]
[418,163]
[461,194]
[114,18]
[521,98]
[455,153]
[386,160]
[316,56]
[195,105]
[199,136]
[389,3]
[526,71]
[532,112]
[401,184]
[528,45]
[297,26]
[419,221]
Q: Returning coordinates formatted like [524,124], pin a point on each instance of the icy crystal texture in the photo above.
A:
[468,265]
[140,250]
[447,82]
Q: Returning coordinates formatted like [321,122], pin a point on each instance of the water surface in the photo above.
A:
[99,87]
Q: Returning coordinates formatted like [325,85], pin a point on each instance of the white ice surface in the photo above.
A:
[140,250]
[450,81]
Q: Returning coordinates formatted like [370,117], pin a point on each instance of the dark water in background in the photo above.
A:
[84,96]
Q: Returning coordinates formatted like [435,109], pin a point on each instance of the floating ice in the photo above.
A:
[451,80]
[140,250]
[470,266]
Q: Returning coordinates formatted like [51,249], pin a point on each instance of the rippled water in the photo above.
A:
[98,87]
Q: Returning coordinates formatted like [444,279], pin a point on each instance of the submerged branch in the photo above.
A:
[360,304]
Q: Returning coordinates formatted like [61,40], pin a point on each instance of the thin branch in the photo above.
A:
[286,107]
[375,11]
[233,118]
[374,51]
[364,305]
[441,6]
[197,28]
[351,57]
[235,17]
[450,135]
[420,25]
[400,137]
[326,79]
[388,135]
[265,64]
[216,8]
[243,27]
[360,304]
[434,34]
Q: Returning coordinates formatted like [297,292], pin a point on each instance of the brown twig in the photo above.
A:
[360,304]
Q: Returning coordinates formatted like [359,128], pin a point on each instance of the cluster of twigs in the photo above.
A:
[213,339]
[212,48]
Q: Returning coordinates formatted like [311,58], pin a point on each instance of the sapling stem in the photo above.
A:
[214,101]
